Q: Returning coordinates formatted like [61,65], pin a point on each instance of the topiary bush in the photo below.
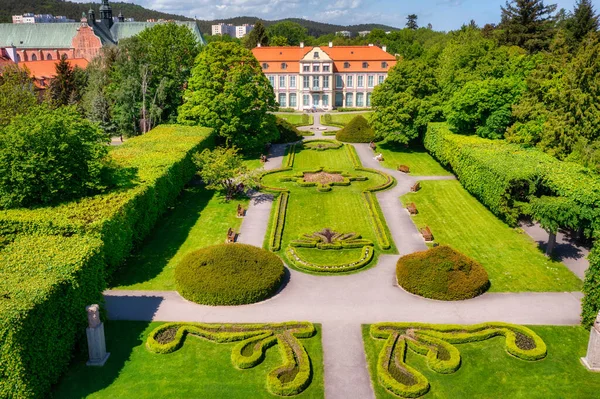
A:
[229,274]
[356,131]
[442,273]
[287,132]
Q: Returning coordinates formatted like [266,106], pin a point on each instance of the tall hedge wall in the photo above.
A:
[45,284]
[153,170]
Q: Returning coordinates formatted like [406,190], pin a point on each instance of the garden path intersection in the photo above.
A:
[342,303]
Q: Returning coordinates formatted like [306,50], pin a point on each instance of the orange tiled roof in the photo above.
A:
[46,69]
[354,55]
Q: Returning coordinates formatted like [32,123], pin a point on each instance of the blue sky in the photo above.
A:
[442,14]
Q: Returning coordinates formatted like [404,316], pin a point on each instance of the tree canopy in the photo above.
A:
[17,94]
[528,24]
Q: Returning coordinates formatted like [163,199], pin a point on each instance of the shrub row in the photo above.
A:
[353,156]
[296,364]
[229,274]
[278,221]
[366,257]
[430,340]
[375,213]
[45,284]
[153,169]
[327,145]
[291,156]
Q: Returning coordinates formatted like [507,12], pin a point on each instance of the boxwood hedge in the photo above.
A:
[356,131]
[45,284]
[229,274]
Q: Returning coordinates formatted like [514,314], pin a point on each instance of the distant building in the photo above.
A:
[84,39]
[30,18]
[243,30]
[324,77]
[232,30]
[364,33]
[344,33]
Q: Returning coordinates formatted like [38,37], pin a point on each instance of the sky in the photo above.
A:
[442,14]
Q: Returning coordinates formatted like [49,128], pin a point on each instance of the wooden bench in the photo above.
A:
[373,146]
[427,234]
[416,187]
[412,208]
[231,236]
[241,212]
[404,169]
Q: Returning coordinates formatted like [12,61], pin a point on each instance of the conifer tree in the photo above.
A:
[528,24]
[257,36]
[411,22]
[583,21]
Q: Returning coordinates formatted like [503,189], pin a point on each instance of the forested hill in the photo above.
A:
[8,8]
[139,13]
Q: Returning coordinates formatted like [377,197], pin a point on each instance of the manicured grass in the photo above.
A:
[417,159]
[200,218]
[296,119]
[487,371]
[200,369]
[343,209]
[511,258]
[344,118]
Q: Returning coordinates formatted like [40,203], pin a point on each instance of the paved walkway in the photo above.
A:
[343,303]
[318,128]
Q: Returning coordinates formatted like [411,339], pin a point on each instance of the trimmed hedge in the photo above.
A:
[256,338]
[291,156]
[377,217]
[442,273]
[45,284]
[327,145]
[366,257]
[436,343]
[356,131]
[229,274]
[153,170]
[278,221]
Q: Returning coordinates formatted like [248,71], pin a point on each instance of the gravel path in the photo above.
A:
[343,303]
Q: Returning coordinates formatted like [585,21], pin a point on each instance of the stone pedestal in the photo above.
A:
[95,338]
[592,359]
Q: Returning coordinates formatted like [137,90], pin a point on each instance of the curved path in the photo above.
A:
[343,303]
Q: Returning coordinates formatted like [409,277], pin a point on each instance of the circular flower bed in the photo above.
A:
[229,274]
[442,273]
[323,177]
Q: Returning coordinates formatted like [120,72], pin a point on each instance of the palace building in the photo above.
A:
[324,77]
[84,39]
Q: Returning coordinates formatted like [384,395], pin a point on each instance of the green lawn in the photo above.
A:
[200,218]
[511,258]
[200,369]
[417,159]
[342,209]
[487,371]
[344,118]
[296,119]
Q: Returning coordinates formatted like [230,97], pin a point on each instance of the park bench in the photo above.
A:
[427,234]
[231,235]
[241,212]
[412,208]
[404,169]
[416,187]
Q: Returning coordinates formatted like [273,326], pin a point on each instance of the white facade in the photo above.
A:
[243,30]
[344,33]
[30,18]
[364,33]
[223,29]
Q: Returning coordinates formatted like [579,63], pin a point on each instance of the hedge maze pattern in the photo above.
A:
[436,343]
[253,340]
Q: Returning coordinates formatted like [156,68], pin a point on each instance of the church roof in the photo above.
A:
[60,35]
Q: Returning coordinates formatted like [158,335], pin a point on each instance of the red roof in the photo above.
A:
[46,69]
[355,56]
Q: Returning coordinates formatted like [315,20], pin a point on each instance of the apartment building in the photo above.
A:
[30,18]
[232,30]
[243,30]
[324,77]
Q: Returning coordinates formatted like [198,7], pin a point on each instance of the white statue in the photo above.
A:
[93,314]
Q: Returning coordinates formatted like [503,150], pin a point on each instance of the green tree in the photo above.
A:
[223,169]
[49,155]
[583,21]
[404,103]
[96,102]
[17,93]
[292,31]
[229,92]
[411,22]
[67,86]
[528,24]
[257,36]
[278,41]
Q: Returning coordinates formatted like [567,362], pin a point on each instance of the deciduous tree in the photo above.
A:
[17,93]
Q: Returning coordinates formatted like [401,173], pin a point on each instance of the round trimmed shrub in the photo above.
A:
[442,273]
[229,274]
[356,131]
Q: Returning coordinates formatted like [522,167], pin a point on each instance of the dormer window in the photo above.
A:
[384,64]
[283,65]
[265,65]
[346,65]
[365,64]
[316,55]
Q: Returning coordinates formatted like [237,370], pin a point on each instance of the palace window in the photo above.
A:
[346,65]
[282,82]
[292,82]
[316,55]
[306,82]
[369,99]
[349,81]
[339,99]
[283,66]
[265,65]
[316,82]
[349,100]
[272,80]
[339,81]
[306,100]
[316,68]
[326,68]
[305,68]
[361,81]
[365,64]
[325,100]
[359,99]
[380,80]
[384,64]
[292,99]
[326,82]
[371,80]
[282,100]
